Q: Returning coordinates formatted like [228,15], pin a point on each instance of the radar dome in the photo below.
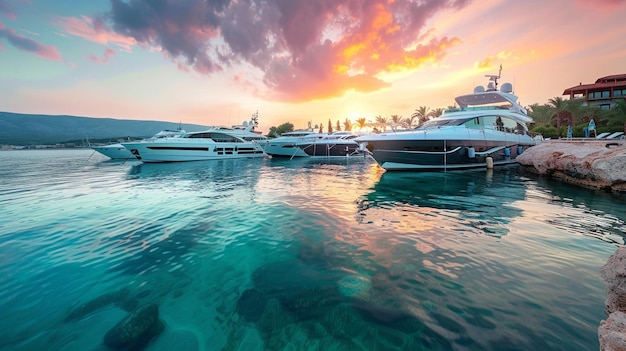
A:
[507,88]
[479,89]
[245,123]
[490,87]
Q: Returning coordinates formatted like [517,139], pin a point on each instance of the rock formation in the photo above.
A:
[136,330]
[612,331]
[591,163]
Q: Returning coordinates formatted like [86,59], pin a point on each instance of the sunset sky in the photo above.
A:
[216,62]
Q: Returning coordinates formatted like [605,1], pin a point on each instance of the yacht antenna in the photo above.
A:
[494,78]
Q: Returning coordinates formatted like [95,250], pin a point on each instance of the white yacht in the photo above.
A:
[286,144]
[117,151]
[211,144]
[488,129]
[338,144]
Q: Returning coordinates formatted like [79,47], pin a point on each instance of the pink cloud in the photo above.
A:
[306,49]
[105,58]
[95,30]
[29,45]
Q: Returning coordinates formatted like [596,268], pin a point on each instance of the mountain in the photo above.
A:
[28,129]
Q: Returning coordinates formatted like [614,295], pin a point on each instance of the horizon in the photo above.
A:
[219,62]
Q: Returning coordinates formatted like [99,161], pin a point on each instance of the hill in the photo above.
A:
[28,129]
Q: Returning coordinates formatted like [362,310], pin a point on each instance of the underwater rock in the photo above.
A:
[97,303]
[251,305]
[136,330]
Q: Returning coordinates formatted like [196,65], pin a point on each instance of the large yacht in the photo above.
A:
[489,128]
[211,144]
[117,151]
[286,145]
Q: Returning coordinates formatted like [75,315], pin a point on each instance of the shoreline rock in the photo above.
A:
[612,331]
[598,164]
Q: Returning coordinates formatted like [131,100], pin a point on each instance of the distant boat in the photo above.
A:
[338,144]
[212,144]
[488,129]
[117,151]
[286,145]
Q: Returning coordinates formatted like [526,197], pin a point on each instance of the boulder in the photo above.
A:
[136,330]
[612,331]
[590,163]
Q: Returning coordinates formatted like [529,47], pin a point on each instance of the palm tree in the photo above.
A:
[616,116]
[396,119]
[361,123]
[559,111]
[421,113]
[347,125]
[437,112]
[541,114]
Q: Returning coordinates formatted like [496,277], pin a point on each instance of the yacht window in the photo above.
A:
[440,122]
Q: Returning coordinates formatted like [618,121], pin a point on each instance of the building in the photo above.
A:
[602,93]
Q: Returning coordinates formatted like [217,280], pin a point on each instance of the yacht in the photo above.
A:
[117,151]
[338,144]
[489,128]
[286,145]
[212,144]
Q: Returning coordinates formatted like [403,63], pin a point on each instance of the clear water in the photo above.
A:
[266,254]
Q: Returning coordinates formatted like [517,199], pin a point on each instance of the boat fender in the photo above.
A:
[489,161]
[520,149]
[507,152]
[471,153]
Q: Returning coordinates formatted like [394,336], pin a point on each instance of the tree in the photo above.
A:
[396,119]
[557,105]
[347,125]
[436,112]
[421,113]
[361,123]
[338,126]
[277,131]
[330,126]
[616,116]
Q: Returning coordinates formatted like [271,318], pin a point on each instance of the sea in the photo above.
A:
[300,254]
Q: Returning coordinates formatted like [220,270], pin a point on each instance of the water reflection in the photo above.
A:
[481,199]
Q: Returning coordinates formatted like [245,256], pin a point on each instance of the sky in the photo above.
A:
[216,62]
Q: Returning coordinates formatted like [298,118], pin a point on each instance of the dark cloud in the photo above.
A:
[307,49]
[29,45]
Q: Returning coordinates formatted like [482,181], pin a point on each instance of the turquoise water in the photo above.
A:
[266,254]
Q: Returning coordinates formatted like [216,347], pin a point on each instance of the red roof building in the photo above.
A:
[602,93]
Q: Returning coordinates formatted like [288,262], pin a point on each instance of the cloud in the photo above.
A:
[29,45]
[105,58]
[6,10]
[305,49]
[95,30]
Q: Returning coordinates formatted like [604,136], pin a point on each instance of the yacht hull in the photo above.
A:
[114,151]
[335,149]
[176,151]
[418,152]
